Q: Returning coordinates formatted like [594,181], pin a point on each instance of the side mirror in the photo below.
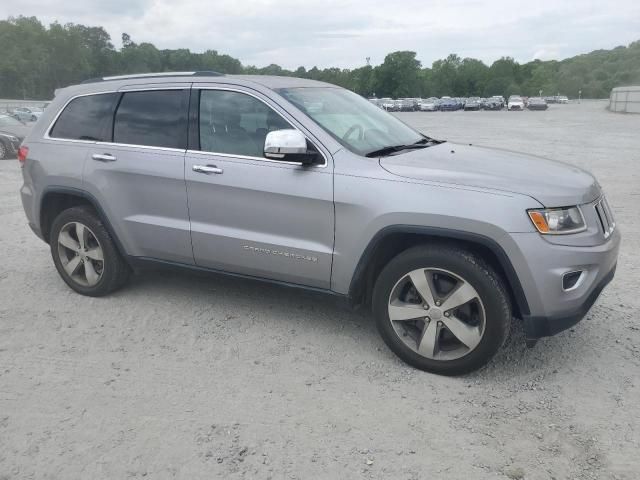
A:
[289,146]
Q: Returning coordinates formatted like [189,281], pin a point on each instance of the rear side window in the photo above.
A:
[86,118]
[156,118]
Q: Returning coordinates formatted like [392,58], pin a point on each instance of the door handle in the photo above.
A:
[207,169]
[103,157]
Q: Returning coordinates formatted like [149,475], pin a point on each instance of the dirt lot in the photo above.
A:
[194,376]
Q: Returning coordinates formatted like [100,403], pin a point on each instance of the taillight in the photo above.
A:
[23,151]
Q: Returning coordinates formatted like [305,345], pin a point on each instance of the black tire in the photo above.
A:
[4,151]
[477,273]
[115,271]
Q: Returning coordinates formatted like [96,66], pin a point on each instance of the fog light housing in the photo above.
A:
[570,280]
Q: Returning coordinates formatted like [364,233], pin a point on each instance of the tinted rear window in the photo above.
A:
[86,118]
[156,118]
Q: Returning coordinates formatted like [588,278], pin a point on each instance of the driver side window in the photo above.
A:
[235,123]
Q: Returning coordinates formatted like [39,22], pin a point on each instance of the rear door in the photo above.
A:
[138,175]
[249,214]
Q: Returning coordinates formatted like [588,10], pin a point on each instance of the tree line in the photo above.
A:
[35,60]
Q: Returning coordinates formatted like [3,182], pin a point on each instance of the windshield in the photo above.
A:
[10,122]
[353,121]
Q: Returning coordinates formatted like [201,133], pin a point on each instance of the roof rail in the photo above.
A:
[155,75]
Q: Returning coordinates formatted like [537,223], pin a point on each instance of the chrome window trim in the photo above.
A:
[249,157]
[47,133]
[246,157]
[148,147]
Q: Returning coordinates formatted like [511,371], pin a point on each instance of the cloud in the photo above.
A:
[327,33]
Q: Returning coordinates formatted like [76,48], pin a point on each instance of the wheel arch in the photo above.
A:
[394,239]
[57,199]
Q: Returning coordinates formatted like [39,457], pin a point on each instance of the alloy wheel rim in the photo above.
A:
[80,254]
[437,314]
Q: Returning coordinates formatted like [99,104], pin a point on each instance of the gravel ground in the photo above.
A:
[193,376]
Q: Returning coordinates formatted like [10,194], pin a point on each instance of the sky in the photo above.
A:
[343,33]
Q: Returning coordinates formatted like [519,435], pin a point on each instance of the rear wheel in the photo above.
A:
[441,309]
[84,253]
[3,151]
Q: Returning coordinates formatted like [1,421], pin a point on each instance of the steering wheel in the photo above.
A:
[353,128]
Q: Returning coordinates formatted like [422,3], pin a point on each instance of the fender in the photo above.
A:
[94,203]
[358,279]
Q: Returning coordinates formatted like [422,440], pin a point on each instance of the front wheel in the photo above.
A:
[441,309]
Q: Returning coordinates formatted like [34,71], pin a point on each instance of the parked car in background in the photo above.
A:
[562,99]
[537,103]
[25,114]
[388,104]
[472,103]
[429,105]
[500,99]
[12,132]
[515,103]
[492,103]
[416,103]
[406,105]
[448,105]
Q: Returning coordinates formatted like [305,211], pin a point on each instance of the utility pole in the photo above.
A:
[368,59]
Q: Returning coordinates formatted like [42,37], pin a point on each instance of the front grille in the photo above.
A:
[607,223]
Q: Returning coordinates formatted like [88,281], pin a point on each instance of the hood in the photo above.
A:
[553,184]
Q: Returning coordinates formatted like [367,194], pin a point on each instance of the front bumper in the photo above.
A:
[537,327]
[552,308]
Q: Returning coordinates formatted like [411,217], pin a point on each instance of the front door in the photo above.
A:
[251,215]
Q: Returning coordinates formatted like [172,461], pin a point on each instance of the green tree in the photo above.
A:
[37,59]
[399,75]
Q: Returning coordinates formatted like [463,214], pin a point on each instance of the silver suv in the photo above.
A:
[309,185]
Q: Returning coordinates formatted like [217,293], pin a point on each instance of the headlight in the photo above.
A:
[558,221]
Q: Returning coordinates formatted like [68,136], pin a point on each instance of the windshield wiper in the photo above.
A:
[388,150]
